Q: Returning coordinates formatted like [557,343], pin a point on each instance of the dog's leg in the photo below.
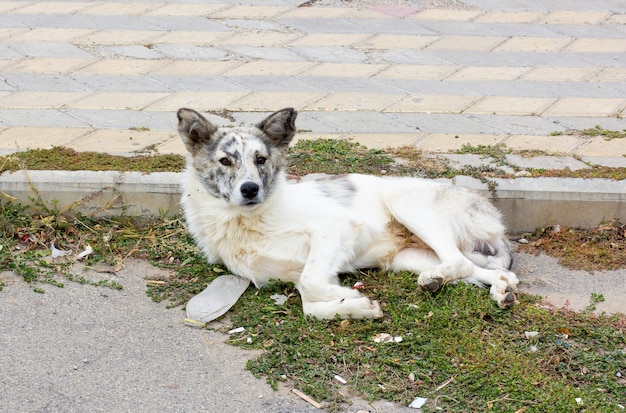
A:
[322,297]
[450,263]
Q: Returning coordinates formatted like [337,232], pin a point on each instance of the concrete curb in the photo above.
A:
[526,203]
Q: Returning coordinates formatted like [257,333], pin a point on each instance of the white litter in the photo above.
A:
[237,330]
[217,298]
[88,250]
[531,334]
[417,403]
[579,401]
[386,338]
[57,253]
[340,379]
[279,299]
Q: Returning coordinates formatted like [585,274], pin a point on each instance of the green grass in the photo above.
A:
[458,348]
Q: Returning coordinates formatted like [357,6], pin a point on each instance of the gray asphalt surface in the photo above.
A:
[87,349]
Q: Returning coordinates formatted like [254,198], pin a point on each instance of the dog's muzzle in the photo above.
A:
[249,191]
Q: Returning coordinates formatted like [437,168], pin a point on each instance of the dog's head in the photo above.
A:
[240,164]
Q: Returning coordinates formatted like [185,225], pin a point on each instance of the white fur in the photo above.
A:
[309,232]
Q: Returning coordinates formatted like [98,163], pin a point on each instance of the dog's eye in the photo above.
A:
[226,162]
[260,160]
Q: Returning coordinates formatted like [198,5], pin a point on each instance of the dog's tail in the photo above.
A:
[492,254]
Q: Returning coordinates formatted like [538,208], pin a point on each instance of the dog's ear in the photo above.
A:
[194,129]
[280,127]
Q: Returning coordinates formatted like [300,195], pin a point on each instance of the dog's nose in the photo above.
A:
[249,190]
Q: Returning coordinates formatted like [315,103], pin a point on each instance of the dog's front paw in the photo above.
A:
[502,293]
[430,280]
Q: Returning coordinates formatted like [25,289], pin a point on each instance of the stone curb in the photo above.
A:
[526,203]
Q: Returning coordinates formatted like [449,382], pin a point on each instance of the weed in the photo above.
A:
[606,133]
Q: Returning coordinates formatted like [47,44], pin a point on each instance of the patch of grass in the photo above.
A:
[458,348]
[336,157]
[590,249]
[606,133]
[60,158]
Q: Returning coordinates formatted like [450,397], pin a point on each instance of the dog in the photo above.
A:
[244,213]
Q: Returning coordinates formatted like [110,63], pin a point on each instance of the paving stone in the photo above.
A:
[592,31]
[344,70]
[443,123]
[504,105]
[116,100]
[115,119]
[197,23]
[273,83]
[190,38]
[524,30]
[518,125]
[498,88]
[565,59]
[576,106]
[43,82]
[43,20]
[611,74]
[270,53]
[120,141]
[250,24]
[120,83]
[46,65]
[488,73]
[347,84]
[250,12]
[321,25]
[466,43]
[603,59]
[391,41]
[447,142]
[418,72]
[189,52]
[410,56]
[364,122]
[53,8]
[383,26]
[594,45]
[610,161]
[420,103]
[397,10]
[572,74]
[384,140]
[44,118]
[48,49]
[447,14]
[575,17]
[510,17]
[476,58]
[326,39]
[129,38]
[330,54]
[134,52]
[534,44]
[121,22]
[270,68]
[117,8]
[195,68]
[261,101]
[120,67]
[552,144]
[39,100]
[189,9]
[545,162]
[354,102]
[260,39]
[202,101]
[8,53]
[581,123]
[47,34]
[197,83]
[24,138]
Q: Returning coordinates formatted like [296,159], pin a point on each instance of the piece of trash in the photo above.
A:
[194,323]
[306,398]
[417,402]
[358,285]
[279,299]
[382,338]
[88,250]
[579,401]
[249,340]
[533,348]
[522,241]
[340,379]
[217,298]
[531,334]
[237,330]
[386,338]
[56,253]
[411,377]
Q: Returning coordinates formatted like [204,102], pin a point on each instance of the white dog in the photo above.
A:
[243,213]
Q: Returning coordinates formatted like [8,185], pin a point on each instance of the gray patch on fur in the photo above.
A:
[338,187]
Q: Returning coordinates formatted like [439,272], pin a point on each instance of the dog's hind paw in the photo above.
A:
[430,283]
[503,295]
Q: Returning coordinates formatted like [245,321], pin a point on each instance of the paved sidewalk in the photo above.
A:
[109,76]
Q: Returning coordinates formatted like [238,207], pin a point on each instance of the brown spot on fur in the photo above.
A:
[404,237]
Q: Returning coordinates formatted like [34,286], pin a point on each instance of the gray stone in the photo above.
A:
[610,161]
[306,25]
[519,125]
[348,84]
[245,52]
[545,162]
[189,52]
[117,119]
[135,51]
[44,118]
[48,49]
[442,123]
[330,54]
[43,82]
[198,83]
[121,83]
